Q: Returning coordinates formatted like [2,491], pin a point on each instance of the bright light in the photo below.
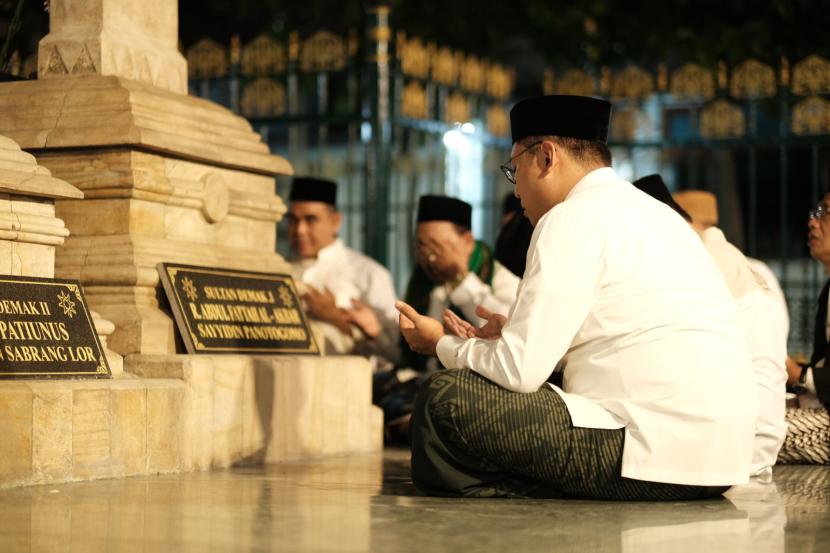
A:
[454,140]
[468,128]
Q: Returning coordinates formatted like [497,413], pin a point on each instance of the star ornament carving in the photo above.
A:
[66,303]
[189,289]
[286,297]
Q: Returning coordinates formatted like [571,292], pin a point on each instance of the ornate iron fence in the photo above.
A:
[372,111]
[384,113]
[754,134]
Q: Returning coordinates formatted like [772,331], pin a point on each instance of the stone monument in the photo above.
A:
[168,177]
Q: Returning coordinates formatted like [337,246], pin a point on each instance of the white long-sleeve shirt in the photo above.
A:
[622,286]
[766,335]
[349,275]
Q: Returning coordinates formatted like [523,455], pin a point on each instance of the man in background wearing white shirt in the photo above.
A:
[766,334]
[350,293]
[619,285]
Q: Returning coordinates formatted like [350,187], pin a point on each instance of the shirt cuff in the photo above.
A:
[809,383]
[468,290]
[447,351]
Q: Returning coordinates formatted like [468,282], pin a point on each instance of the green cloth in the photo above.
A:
[420,287]
[471,437]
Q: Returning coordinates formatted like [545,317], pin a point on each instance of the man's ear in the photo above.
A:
[548,153]
[468,239]
[337,220]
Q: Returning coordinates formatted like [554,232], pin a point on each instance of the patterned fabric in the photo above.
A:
[808,438]
[473,438]
[821,349]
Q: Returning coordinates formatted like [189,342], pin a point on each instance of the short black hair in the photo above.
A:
[584,152]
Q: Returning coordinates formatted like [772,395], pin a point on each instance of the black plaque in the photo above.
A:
[226,311]
[46,331]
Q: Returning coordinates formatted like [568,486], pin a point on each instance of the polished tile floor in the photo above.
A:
[367,503]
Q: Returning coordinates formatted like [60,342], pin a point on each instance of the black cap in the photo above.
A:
[312,189]
[654,186]
[444,208]
[567,116]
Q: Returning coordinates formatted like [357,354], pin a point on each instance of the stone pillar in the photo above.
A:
[166,177]
[136,39]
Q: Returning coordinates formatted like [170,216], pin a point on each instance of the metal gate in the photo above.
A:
[388,117]
[754,134]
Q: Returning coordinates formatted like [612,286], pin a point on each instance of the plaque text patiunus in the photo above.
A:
[46,331]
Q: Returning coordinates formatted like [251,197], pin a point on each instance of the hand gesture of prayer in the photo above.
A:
[322,306]
[461,328]
[364,318]
[420,332]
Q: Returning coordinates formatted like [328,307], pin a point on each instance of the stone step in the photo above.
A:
[177,413]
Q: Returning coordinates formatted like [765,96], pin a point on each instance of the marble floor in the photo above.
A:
[367,503]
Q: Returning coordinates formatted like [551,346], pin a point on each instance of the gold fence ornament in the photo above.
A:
[624,124]
[263,56]
[458,108]
[499,82]
[414,101]
[752,79]
[722,119]
[811,116]
[498,121]
[811,76]
[444,66]
[323,51]
[632,83]
[263,97]
[576,82]
[692,81]
[413,56]
[471,75]
[207,59]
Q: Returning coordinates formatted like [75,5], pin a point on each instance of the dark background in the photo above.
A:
[530,35]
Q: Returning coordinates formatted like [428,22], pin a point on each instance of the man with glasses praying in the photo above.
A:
[454,270]
[622,289]
[808,436]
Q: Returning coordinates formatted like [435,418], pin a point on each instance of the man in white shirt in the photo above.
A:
[766,335]
[622,287]
[702,207]
[351,294]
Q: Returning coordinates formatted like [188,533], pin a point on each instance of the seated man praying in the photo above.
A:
[621,287]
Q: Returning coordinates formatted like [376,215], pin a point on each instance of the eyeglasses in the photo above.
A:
[508,169]
[819,212]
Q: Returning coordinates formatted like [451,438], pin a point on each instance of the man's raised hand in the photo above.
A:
[420,332]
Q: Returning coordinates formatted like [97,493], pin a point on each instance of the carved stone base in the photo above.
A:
[186,413]
[165,177]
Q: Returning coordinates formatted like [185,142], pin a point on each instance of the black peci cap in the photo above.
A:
[561,115]
[444,208]
[312,189]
